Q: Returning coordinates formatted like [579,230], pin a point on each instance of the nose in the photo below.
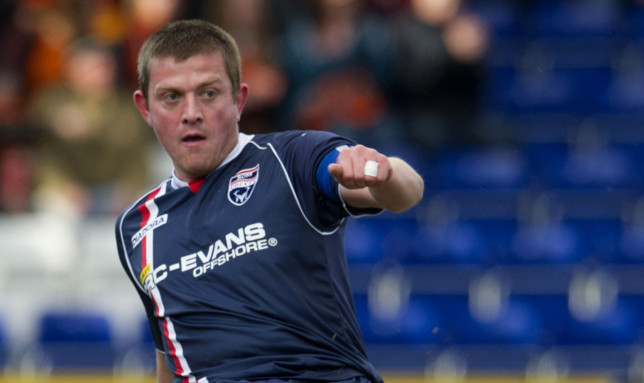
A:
[191,110]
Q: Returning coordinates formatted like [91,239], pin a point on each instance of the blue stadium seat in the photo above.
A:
[71,341]
[448,242]
[559,165]
[545,159]
[516,323]
[599,167]
[550,77]
[576,18]
[363,243]
[413,323]
[597,315]
[382,237]
[552,242]
[503,18]
[617,326]
[552,309]
[498,167]
[471,241]
[593,325]
[389,312]
[600,237]
[398,236]
[624,93]
[631,246]
[517,90]
[498,234]
[477,228]
[635,304]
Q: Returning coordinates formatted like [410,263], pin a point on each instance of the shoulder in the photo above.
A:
[134,207]
[276,138]
[300,140]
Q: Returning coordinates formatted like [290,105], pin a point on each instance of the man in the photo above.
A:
[239,255]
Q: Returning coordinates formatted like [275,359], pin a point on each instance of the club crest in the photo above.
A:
[242,184]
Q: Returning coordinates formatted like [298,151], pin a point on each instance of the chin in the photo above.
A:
[198,172]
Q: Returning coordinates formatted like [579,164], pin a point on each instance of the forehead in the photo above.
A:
[198,68]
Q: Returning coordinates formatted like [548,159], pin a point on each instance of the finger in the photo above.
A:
[371,169]
[342,171]
[336,171]
[352,173]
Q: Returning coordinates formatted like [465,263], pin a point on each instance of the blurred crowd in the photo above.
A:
[383,72]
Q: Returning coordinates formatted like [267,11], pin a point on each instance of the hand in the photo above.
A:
[349,170]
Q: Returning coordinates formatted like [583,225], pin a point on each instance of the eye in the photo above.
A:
[209,93]
[172,96]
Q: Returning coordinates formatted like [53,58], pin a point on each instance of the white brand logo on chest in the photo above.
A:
[242,184]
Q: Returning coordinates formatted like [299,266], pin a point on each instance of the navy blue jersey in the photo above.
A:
[243,274]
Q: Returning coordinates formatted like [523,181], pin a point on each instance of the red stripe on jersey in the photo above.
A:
[145,217]
[173,350]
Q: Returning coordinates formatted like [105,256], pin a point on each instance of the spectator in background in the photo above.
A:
[106,21]
[16,138]
[143,18]
[248,21]
[53,31]
[334,61]
[15,39]
[437,73]
[93,158]
[16,147]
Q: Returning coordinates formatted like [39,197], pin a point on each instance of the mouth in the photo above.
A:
[193,138]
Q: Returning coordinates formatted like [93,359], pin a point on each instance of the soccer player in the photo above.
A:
[239,255]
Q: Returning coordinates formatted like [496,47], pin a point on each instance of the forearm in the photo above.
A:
[402,190]
[391,184]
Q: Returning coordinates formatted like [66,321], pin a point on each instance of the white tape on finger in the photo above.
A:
[371,168]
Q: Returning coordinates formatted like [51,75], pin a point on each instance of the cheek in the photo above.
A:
[227,117]
[163,129]
[164,120]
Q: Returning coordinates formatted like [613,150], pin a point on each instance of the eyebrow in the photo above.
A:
[209,82]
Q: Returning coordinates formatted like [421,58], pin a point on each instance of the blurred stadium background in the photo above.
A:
[524,262]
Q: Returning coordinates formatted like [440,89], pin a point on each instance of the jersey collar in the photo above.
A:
[176,183]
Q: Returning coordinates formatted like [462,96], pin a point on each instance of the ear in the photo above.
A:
[142,105]
[240,100]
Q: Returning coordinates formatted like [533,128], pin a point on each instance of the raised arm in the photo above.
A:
[393,184]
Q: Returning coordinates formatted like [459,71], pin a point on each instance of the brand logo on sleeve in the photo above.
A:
[242,184]
[160,221]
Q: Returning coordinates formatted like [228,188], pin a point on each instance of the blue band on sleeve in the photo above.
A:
[324,178]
